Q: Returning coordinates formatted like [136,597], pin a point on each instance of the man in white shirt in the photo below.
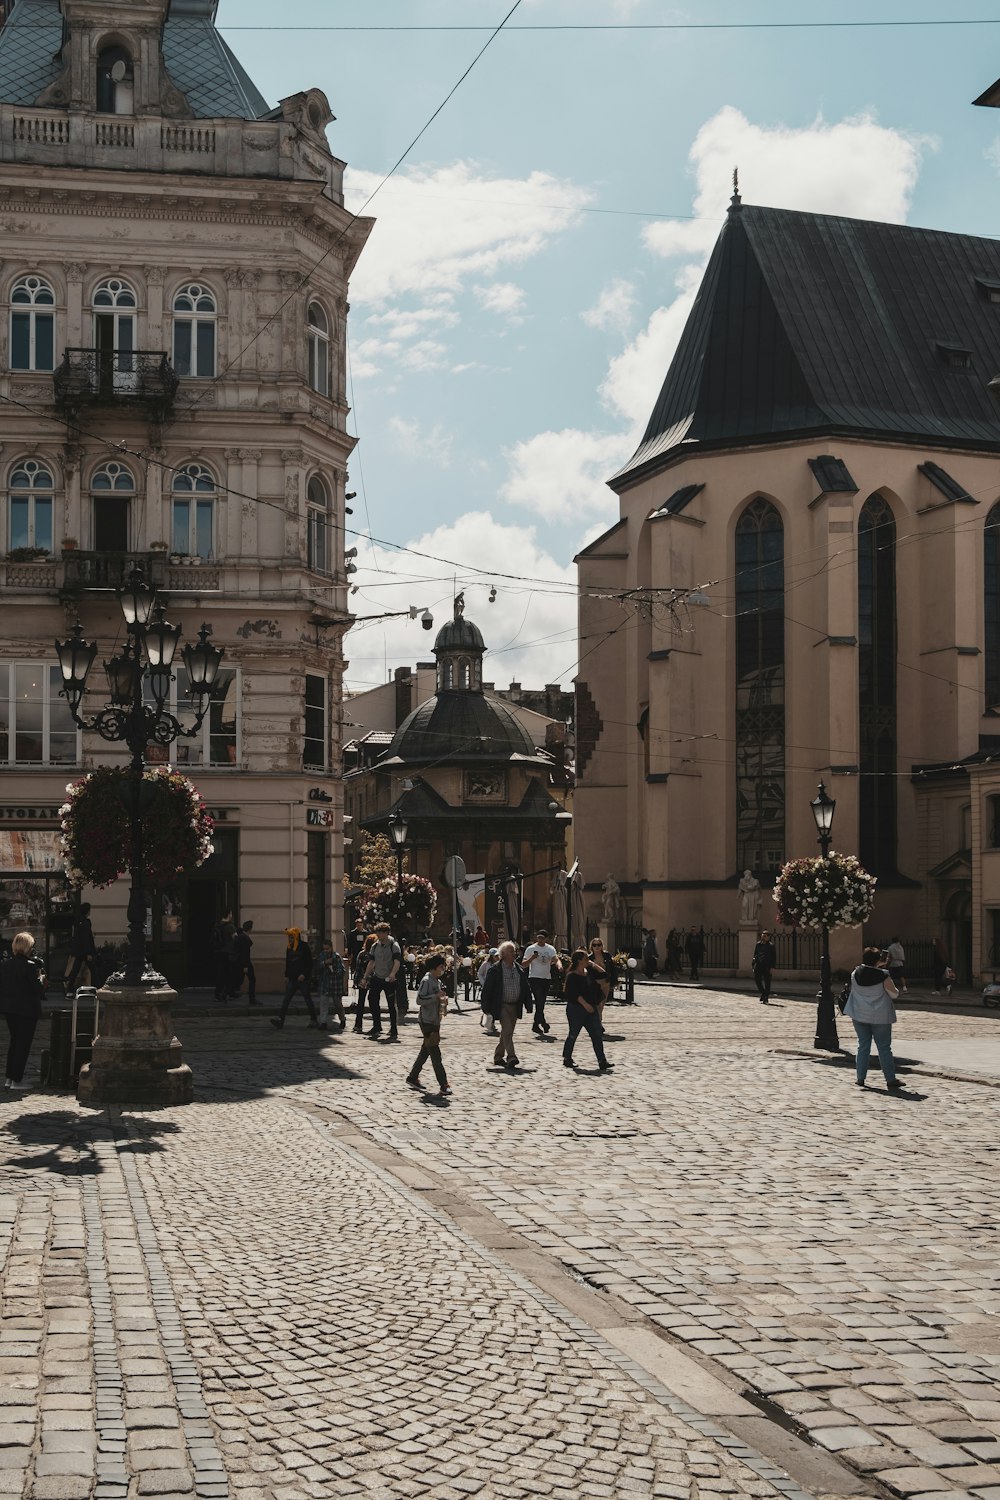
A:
[539,956]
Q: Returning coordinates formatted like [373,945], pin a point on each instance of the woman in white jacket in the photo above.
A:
[870,1007]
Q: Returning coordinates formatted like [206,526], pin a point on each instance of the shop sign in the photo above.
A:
[319,817]
[29,814]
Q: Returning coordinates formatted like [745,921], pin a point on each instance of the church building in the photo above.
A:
[804,583]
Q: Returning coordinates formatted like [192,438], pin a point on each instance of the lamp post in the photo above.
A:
[398,829]
[145,659]
[823,808]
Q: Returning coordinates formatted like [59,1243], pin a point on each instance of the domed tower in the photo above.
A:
[459,648]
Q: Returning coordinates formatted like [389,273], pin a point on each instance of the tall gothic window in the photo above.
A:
[991,606]
[760,688]
[877,685]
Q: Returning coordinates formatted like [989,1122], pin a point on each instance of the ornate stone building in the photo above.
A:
[172,391]
[471,774]
[808,557]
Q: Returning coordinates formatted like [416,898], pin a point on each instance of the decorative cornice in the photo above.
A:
[292,455]
[154,275]
[75,270]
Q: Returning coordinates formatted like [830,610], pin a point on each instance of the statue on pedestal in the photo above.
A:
[611,900]
[749,888]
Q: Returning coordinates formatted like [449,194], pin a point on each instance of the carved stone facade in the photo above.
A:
[155,234]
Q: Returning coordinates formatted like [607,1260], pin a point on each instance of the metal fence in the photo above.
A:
[797,950]
[627,936]
[722,949]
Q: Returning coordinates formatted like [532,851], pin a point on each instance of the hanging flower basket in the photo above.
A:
[96,841]
[409,909]
[834,892]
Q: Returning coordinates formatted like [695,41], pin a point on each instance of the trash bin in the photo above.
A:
[71,1037]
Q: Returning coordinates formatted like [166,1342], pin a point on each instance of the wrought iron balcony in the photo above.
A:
[115,377]
[109,570]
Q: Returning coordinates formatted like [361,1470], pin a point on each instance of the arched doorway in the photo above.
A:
[958,934]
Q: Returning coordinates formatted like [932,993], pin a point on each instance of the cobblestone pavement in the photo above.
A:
[240,1299]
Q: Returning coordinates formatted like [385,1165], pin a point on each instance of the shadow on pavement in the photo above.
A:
[51,1141]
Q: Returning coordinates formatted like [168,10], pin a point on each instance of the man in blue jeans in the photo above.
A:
[384,959]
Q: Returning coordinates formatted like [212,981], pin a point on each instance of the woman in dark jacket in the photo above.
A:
[762,963]
[22,986]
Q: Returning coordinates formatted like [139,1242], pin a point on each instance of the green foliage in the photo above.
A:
[376,860]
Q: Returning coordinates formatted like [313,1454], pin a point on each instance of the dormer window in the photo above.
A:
[954,357]
[115,82]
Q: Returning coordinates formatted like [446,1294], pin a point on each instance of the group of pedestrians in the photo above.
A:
[679,945]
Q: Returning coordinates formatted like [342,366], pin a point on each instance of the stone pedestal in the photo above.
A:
[748,942]
[606,933]
[136,1060]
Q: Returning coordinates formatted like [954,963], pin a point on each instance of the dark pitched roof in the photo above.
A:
[678,501]
[832,475]
[199,62]
[806,323]
[942,480]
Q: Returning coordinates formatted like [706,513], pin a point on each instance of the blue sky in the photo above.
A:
[516,309]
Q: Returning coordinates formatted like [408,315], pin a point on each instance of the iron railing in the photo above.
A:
[627,936]
[797,950]
[115,377]
[722,949]
[109,570]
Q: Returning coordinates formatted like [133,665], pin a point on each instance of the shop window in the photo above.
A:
[317,861]
[32,325]
[36,727]
[30,506]
[314,745]
[195,313]
[318,335]
[318,519]
[193,512]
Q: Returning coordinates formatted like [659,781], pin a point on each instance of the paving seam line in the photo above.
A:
[915,1068]
[734,1446]
[211,1480]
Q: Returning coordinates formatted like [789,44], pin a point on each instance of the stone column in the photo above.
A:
[154,309]
[292,459]
[75,271]
[292,324]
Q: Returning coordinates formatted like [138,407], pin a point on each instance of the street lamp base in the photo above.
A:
[136,1058]
[827,1044]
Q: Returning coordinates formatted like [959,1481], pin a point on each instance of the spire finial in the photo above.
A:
[736,202]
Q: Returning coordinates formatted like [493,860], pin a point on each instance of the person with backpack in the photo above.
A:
[384,960]
[360,983]
[433,1003]
[22,985]
[298,977]
[870,993]
[332,983]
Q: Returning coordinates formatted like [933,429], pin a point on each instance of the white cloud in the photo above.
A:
[427,443]
[530,629]
[992,152]
[441,232]
[612,312]
[560,475]
[502,297]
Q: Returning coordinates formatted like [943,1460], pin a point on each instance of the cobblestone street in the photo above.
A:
[719,1270]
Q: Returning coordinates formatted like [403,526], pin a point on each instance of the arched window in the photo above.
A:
[318,521]
[115,82]
[32,325]
[194,331]
[318,334]
[114,305]
[111,490]
[31,506]
[991,607]
[877,685]
[193,514]
[760,688]
[463,672]
[446,672]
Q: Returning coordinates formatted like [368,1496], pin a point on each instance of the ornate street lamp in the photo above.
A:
[150,648]
[398,829]
[823,808]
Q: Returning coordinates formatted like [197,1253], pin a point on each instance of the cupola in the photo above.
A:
[459,648]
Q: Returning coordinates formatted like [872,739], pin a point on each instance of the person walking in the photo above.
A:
[609,977]
[82,948]
[506,994]
[695,946]
[298,977]
[582,992]
[870,1007]
[332,983]
[650,954]
[222,954]
[433,1003]
[944,974]
[487,1021]
[765,957]
[355,942]
[897,964]
[384,960]
[360,982]
[541,957]
[22,985]
[243,963]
